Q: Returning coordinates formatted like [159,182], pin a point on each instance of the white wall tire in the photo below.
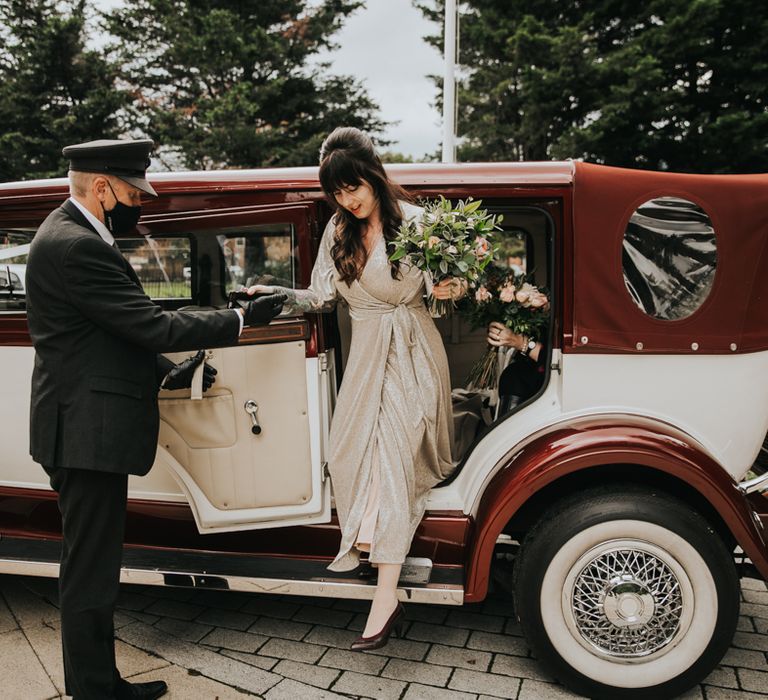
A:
[625,594]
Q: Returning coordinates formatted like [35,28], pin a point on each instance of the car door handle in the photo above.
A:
[252,408]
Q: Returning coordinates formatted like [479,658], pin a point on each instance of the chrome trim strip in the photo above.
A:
[442,594]
[759,484]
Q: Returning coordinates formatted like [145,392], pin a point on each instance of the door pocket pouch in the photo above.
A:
[202,424]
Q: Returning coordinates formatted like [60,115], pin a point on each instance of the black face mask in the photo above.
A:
[121,218]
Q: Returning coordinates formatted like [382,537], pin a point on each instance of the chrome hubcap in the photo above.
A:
[626,603]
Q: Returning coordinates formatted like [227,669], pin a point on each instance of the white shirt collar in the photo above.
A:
[101,229]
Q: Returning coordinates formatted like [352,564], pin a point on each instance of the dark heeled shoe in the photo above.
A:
[378,640]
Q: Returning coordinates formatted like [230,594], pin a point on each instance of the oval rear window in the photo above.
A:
[669,257]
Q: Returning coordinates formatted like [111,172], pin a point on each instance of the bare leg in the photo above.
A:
[384,600]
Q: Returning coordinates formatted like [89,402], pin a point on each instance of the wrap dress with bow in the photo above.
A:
[391,433]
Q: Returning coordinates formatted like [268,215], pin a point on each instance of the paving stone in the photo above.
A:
[307,673]
[502,643]
[354,606]
[178,609]
[331,637]
[289,689]
[45,641]
[295,651]
[730,694]
[459,658]
[146,618]
[403,649]
[285,629]
[757,597]
[474,621]
[265,605]
[183,685]
[17,654]
[27,608]
[486,683]
[434,614]
[424,692]
[231,619]
[755,610]
[183,629]
[416,672]
[756,681]
[358,622]
[330,617]
[353,661]
[253,659]
[368,686]
[693,694]
[536,690]
[745,624]
[234,640]
[745,658]
[513,628]
[722,676]
[132,661]
[198,658]
[753,584]
[7,621]
[421,631]
[749,640]
[519,667]
[128,600]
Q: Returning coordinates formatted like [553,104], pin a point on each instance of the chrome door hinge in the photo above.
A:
[324,473]
[323,360]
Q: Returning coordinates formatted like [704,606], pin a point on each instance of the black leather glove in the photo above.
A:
[262,310]
[180,377]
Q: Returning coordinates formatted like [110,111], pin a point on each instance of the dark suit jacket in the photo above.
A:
[97,336]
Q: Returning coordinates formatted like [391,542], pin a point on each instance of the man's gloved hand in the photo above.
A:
[180,377]
[262,310]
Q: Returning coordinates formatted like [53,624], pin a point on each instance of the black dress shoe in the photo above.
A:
[142,691]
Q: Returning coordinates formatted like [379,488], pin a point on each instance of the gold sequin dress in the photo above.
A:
[391,433]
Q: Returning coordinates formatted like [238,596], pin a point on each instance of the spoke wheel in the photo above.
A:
[626,595]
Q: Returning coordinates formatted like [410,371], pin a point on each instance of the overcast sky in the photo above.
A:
[383,45]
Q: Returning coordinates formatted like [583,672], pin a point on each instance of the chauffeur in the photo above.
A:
[94,414]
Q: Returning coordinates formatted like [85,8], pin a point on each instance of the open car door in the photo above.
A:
[250,452]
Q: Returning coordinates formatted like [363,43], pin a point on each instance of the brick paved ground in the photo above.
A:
[228,645]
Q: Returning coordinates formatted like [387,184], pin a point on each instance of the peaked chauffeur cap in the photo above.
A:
[127,160]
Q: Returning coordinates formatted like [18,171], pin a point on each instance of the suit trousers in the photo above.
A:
[93,508]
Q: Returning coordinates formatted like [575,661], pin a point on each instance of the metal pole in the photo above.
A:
[449,84]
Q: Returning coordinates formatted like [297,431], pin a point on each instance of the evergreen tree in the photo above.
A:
[229,82]
[664,84]
[53,91]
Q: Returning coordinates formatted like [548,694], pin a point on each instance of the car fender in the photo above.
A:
[598,441]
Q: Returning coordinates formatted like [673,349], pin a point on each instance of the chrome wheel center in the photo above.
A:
[626,603]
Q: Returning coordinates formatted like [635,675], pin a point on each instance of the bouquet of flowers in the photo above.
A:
[447,241]
[509,299]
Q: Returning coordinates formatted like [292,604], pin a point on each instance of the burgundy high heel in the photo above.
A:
[378,640]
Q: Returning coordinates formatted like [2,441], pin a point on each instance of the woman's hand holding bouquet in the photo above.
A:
[508,299]
[452,244]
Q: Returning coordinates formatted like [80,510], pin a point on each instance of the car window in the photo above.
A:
[162,264]
[14,248]
[264,254]
[669,257]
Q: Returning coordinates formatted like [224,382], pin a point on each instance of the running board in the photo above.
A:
[420,583]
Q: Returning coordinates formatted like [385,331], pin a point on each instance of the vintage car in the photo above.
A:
[622,493]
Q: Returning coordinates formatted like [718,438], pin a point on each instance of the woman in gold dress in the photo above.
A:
[391,433]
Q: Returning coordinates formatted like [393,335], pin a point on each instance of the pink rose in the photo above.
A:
[539,300]
[507,293]
[522,296]
[482,294]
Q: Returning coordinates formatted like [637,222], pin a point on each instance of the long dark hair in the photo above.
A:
[347,157]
